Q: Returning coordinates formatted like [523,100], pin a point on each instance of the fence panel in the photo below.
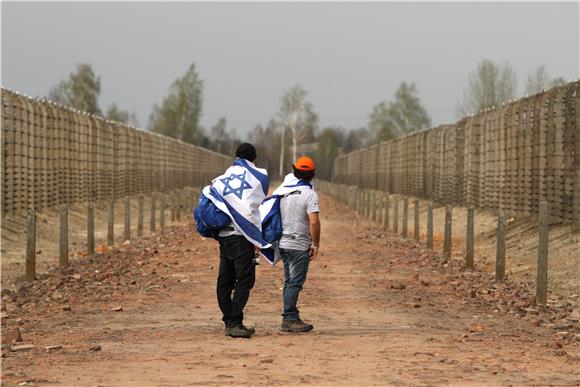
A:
[53,155]
[508,158]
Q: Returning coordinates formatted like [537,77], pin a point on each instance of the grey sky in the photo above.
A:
[348,56]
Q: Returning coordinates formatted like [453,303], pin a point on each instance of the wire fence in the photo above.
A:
[53,155]
[506,159]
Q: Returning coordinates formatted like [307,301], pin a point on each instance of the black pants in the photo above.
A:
[237,274]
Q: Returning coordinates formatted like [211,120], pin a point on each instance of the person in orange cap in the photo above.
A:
[300,239]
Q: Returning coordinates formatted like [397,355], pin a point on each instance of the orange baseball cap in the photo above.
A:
[304,163]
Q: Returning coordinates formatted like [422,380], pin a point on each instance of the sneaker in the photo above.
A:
[238,331]
[295,326]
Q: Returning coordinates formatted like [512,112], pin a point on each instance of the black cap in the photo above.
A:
[246,151]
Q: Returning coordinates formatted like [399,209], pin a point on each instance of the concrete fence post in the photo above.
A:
[152,214]
[162,211]
[448,227]
[416,225]
[542,272]
[405,216]
[365,204]
[386,212]
[31,246]
[469,240]
[375,206]
[430,225]
[378,207]
[172,206]
[368,205]
[127,233]
[184,203]
[396,215]
[179,201]
[91,229]
[63,237]
[372,206]
[140,216]
[111,222]
[500,250]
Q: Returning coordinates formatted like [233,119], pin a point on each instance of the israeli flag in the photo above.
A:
[239,193]
[271,205]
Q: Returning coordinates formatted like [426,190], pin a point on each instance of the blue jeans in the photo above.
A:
[295,271]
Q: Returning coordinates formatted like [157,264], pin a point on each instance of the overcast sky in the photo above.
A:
[348,56]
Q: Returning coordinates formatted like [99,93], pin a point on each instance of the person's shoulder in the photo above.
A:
[253,166]
[311,192]
[261,170]
[310,195]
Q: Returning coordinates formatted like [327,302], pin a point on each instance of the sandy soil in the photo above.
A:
[385,311]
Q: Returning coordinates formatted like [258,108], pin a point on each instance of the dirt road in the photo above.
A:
[385,313]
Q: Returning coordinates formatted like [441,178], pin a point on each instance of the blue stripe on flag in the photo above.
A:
[275,207]
[263,179]
[247,226]
[301,183]
[269,254]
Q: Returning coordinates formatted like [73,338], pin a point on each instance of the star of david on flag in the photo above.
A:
[249,186]
[239,191]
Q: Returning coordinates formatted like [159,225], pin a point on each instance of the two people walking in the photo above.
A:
[239,192]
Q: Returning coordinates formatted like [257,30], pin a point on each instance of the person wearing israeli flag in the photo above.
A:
[300,239]
[238,193]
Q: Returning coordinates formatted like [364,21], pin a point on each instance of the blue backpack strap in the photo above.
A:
[272,223]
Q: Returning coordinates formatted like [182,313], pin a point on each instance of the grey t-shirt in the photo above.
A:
[296,227]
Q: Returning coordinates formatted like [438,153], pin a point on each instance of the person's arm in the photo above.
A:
[314,220]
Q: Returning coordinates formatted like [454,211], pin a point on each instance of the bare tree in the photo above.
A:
[297,115]
[265,139]
[220,138]
[489,85]
[540,79]
[327,149]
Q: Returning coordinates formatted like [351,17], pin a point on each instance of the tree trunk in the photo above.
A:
[293,145]
[282,156]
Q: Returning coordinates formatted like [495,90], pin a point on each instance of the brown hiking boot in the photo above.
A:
[295,326]
[252,330]
[239,331]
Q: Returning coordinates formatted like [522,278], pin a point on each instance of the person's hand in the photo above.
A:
[313,252]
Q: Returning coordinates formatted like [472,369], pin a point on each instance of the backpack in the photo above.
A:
[208,218]
[272,223]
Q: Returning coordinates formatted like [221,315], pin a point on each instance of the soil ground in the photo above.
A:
[14,230]
[521,244]
[385,311]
